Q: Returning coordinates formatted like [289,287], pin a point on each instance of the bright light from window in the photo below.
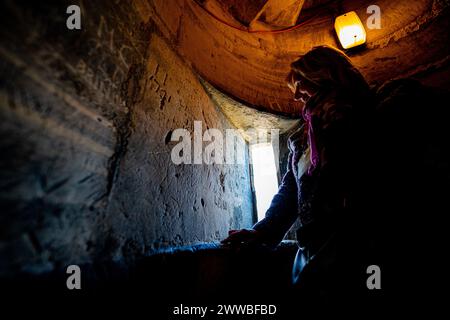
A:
[264,176]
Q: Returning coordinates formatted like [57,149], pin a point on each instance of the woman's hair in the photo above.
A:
[327,67]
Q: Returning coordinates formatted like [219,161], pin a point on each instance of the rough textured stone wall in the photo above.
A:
[86,118]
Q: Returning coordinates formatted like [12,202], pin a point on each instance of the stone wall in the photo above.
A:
[87,117]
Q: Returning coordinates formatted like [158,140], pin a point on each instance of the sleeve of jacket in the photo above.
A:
[282,212]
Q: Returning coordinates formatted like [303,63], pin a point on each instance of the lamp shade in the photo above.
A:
[350,30]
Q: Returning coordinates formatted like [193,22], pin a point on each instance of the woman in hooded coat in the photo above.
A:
[323,183]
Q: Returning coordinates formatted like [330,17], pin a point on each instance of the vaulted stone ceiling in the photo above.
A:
[250,65]
[244,11]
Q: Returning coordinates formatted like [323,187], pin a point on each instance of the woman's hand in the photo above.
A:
[243,237]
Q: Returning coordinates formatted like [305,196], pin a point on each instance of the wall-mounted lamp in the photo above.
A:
[350,30]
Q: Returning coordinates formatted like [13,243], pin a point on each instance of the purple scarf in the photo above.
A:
[314,155]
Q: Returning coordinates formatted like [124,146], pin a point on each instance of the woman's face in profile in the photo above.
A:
[302,89]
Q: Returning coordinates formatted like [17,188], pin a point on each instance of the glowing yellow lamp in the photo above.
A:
[350,30]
